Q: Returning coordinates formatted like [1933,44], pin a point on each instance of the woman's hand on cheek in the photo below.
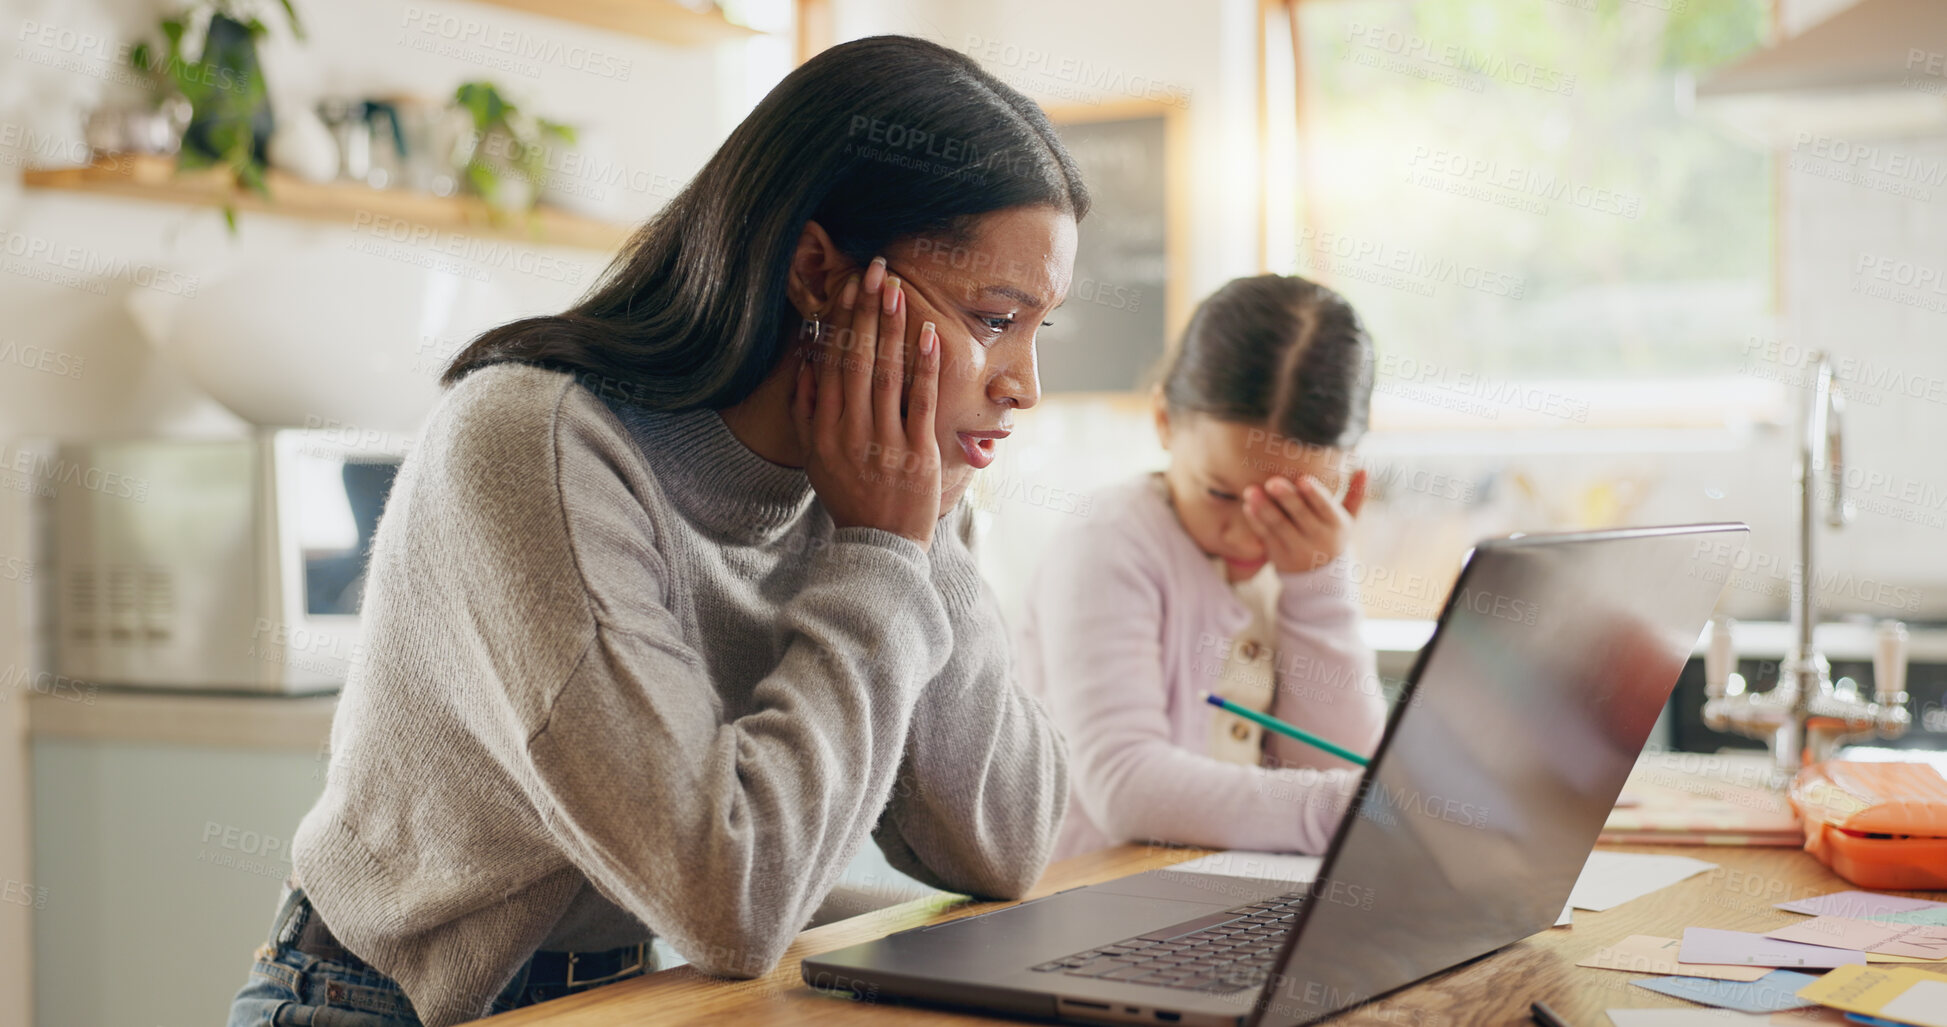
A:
[1301,527]
[872,464]
[959,363]
[922,312]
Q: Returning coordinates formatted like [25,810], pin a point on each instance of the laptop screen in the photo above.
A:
[1505,754]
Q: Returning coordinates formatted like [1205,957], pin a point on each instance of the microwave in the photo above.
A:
[233,566]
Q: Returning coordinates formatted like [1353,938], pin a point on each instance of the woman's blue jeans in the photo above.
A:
[288,988]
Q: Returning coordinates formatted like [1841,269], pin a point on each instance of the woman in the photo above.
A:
[658,626]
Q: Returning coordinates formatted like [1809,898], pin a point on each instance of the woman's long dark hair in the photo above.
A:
[1283,352]
[877,140]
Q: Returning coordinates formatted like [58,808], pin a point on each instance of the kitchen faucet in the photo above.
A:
[1803,717]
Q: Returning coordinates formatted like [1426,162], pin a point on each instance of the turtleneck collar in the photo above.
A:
[712,477]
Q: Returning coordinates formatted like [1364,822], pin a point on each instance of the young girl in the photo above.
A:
[1225,573]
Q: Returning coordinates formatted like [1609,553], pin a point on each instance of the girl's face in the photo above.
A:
[987,297]
[1212,461]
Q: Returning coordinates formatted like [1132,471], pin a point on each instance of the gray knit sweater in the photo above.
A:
[620,677]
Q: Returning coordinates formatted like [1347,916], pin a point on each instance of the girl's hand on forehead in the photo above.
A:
[1302,528]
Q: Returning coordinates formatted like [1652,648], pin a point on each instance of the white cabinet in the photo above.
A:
[159,862]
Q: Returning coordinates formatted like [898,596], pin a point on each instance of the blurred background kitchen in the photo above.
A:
[1600,245]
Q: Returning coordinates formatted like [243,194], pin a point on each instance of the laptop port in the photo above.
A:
[1168,1017]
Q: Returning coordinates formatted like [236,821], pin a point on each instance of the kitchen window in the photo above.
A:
[1515,198]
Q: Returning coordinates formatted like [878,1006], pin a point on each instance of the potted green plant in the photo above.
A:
[509,151]
[230,120]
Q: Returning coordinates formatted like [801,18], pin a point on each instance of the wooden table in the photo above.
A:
[1738,895]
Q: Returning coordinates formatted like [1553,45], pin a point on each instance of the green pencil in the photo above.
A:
[1274,724]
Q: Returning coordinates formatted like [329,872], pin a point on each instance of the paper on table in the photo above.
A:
[1269,866]
[1870,936]
[1936,917]
[1809,1016]
[1862,904]
[1891,992]
[1768,994]
[1677,800]
[1924,1002]
[1710,945]
[1610,879]
[1648,954]
[1567,919]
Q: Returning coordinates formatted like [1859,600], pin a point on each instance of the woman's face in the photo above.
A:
[987,297]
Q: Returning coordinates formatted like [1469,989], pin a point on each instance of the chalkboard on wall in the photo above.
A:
[1112,331]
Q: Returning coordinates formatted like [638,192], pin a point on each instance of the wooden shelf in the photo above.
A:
[154,178]
[664,21]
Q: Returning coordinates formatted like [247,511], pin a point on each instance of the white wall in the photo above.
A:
[363,47]
[1840,238]
[1844,239]
[72,364]
[1068,53]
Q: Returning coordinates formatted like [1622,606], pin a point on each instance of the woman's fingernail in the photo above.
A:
[875,274]
[851,293]
[889,301]
[928,336]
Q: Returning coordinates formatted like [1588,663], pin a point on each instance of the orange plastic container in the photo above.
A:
[1878,825]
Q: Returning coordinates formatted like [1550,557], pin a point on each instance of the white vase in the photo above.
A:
[322,333]
[302,145]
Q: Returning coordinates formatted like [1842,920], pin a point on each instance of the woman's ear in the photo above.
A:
[817,271]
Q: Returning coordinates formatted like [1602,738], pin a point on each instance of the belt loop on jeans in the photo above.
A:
[291,917]
[314,938]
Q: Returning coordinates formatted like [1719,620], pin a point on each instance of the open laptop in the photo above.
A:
[1519,722]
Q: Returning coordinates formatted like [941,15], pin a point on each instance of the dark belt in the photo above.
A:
[544,970]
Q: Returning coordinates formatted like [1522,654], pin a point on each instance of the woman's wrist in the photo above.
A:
[899,544]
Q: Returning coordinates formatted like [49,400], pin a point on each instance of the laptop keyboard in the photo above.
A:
[1226,951]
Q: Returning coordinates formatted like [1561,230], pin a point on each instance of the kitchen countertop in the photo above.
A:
[299,723]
